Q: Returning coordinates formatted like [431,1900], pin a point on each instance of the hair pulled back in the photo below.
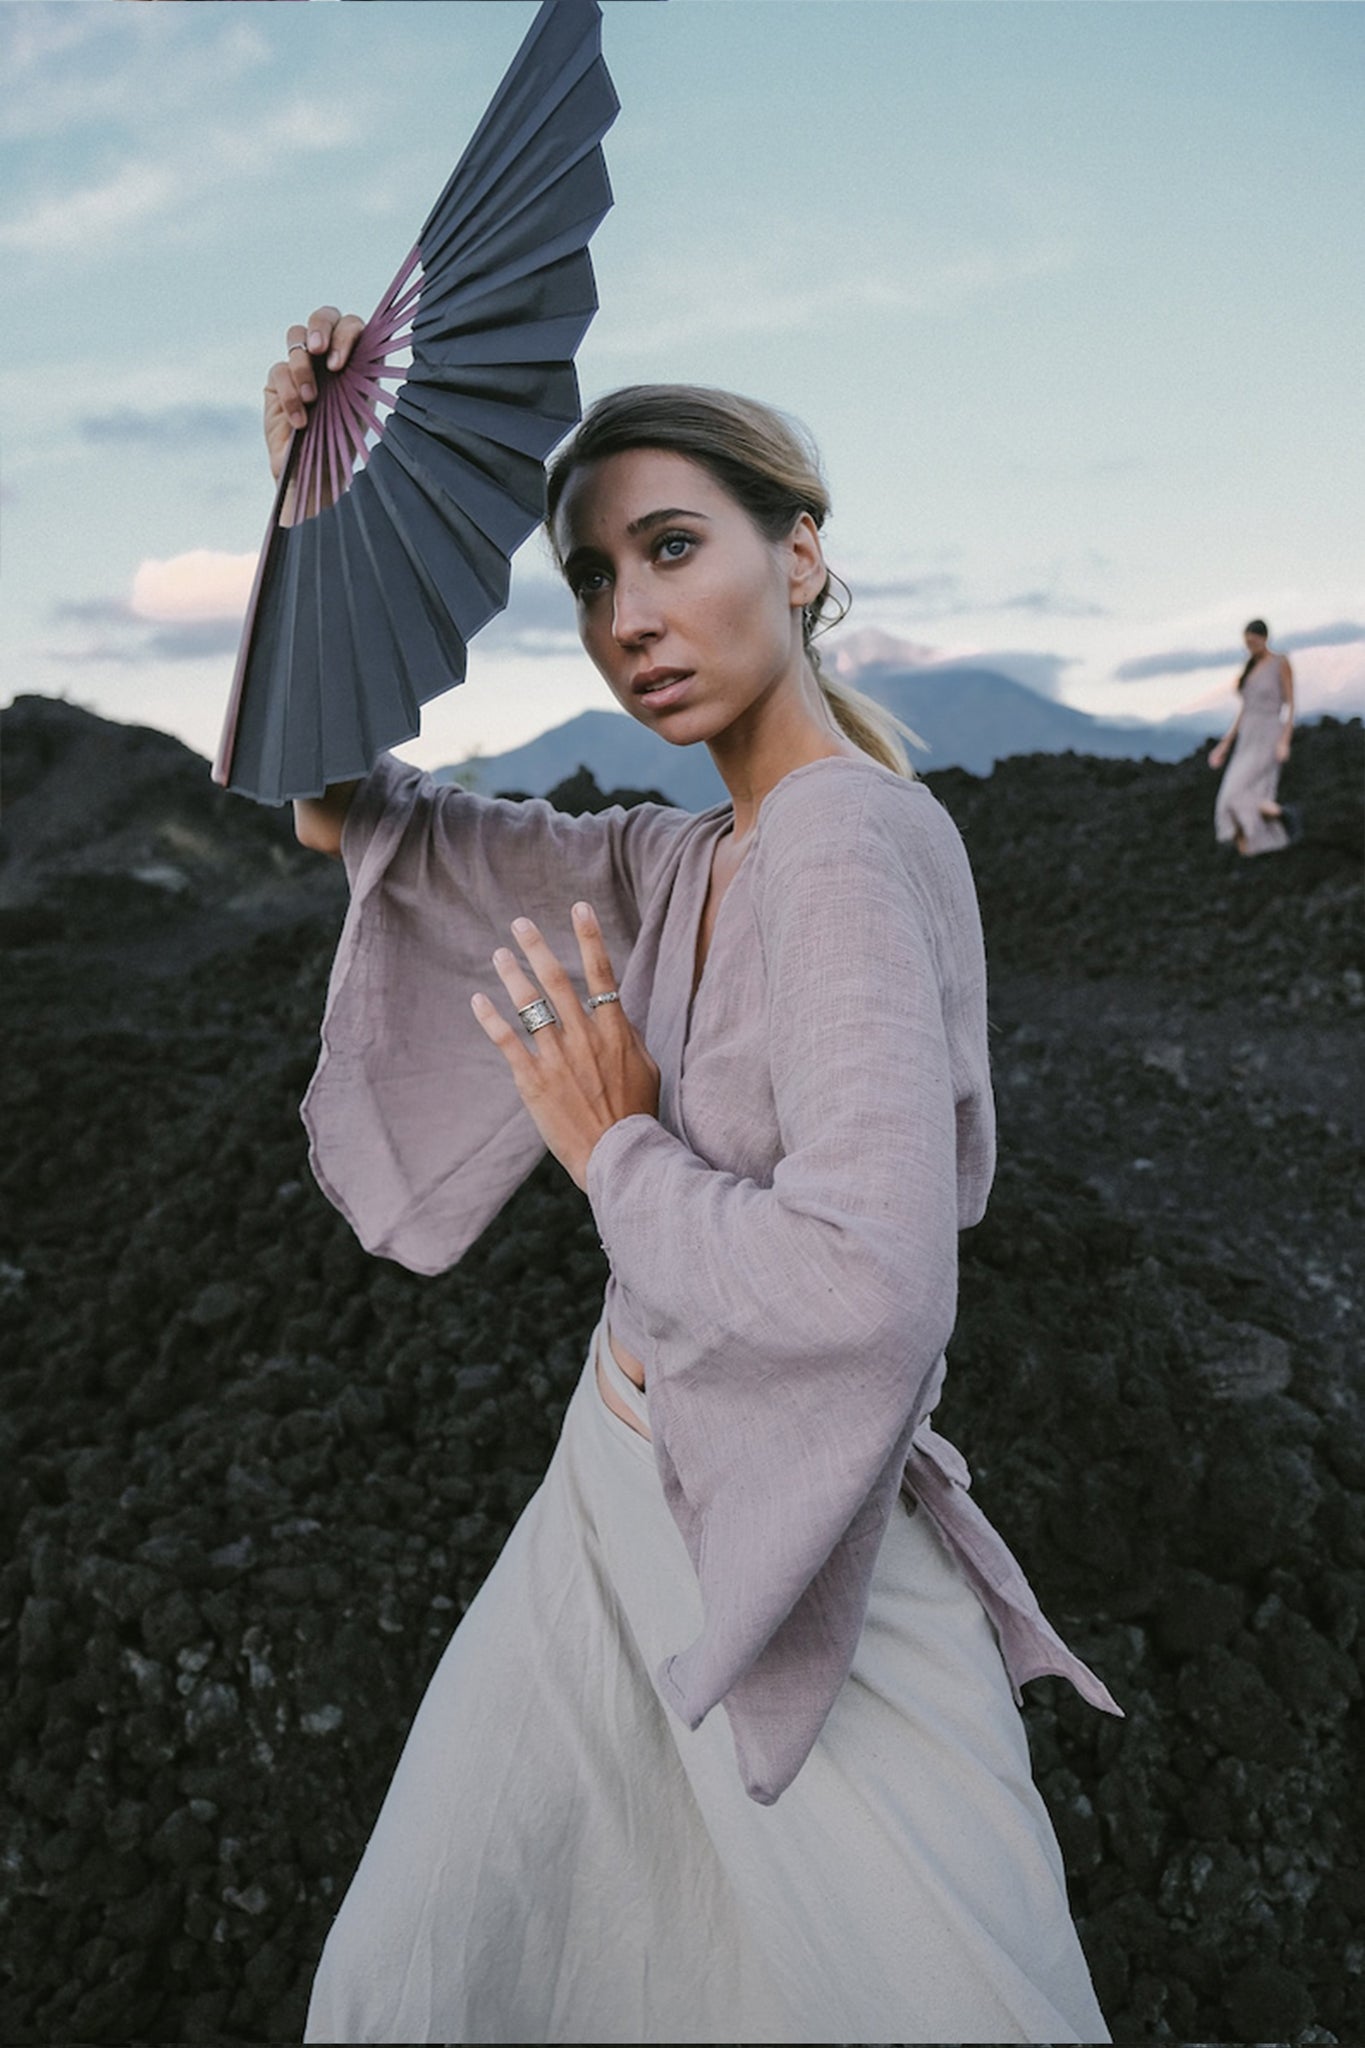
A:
[769,465]
[1253,626]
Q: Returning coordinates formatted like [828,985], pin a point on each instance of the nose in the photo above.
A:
[634,615]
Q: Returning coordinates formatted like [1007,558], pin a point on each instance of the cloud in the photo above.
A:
[202,584]
[936,588]
[941,594]
[1179,661]
[768,287]
[539,620]
[1051,603]
[73,68]
[94,218]
[194,639]
[94,611]
[186,608]
[92,215]
[1343,633]
[1031,666]
[130,642]
[170,426]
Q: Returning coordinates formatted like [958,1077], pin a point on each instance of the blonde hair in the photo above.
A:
[771,468]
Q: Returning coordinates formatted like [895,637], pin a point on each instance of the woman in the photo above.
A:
[1246,813]
[777,1100]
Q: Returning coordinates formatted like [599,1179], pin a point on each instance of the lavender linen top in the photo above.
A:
[782,1238]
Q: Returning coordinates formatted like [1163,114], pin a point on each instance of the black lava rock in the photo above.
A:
[254,1478]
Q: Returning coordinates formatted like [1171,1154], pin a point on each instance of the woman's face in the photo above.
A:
[689,613]
[1254,642]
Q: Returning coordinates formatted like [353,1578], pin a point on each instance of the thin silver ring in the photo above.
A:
[608,996]
[535,1016]
[297,344]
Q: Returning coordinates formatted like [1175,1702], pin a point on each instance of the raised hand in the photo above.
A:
[582,1074]
[291,385]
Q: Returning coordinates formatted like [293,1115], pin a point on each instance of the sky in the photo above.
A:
[1071,296]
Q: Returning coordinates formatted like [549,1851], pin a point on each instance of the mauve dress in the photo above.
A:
[1253,773]
[573,1848]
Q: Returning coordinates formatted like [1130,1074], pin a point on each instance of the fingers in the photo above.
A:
[551,976]
[282,386]
[510,1039]
[592,947]
[550,972]
[511,1042]
[518,982]
[345,334]
[320,326]
[292,386]
[328,332]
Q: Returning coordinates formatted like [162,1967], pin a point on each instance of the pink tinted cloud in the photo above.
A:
[204,583]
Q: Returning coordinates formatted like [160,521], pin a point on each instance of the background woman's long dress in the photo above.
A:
[1253,773]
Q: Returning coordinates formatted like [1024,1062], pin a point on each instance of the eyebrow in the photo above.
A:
[644,524]
[650,519]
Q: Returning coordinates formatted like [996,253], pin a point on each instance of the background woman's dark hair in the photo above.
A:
[769,465]
[1253,626]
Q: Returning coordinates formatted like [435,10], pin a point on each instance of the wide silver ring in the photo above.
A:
[607,996]
[535,1016]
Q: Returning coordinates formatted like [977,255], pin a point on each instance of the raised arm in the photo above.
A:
[320,820]
[290,388]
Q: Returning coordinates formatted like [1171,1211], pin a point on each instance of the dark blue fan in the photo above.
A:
[406,509]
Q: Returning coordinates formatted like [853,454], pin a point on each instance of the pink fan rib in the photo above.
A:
[349,404]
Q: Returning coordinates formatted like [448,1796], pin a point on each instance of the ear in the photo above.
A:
[806,571]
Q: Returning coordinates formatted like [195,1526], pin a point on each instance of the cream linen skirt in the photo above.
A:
[559,1859]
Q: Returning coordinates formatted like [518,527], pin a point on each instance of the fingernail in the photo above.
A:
[314,340]
[478,1004]
[521,926]
[334,359]
[503,957]
[582,913]
[309,390]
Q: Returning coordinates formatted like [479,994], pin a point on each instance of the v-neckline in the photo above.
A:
[722,817]
[696,979]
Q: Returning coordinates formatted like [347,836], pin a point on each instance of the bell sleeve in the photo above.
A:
[799,1325]
[416,1131]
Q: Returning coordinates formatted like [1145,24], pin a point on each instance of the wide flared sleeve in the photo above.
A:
[798,1326]
[416,1130]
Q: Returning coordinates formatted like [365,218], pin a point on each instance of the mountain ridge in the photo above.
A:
[968,718]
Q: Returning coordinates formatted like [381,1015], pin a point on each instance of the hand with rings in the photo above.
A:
[579,1067]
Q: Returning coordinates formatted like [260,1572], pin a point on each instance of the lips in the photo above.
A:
[660,686]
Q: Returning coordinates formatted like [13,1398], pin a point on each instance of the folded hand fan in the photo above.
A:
[407,509]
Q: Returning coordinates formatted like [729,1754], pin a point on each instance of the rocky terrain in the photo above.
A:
[253,1477]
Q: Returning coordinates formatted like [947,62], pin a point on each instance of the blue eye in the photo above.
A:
[674,546]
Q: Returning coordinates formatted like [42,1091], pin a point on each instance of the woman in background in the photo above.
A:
[1247,813]
[727,1746]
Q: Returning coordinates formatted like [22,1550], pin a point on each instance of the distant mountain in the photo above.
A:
[968,718]
[617,752]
